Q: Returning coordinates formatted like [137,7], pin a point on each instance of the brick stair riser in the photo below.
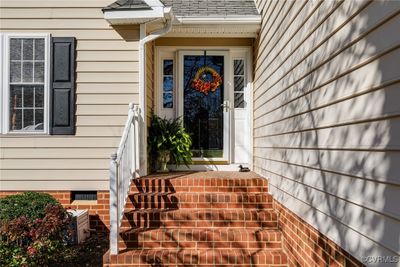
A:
[165,185]
[198,245]
[197,265]
[200,201]
[203,257]
[196,219]
[198,239]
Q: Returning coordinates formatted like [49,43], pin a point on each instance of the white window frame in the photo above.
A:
[244,75]
[159,82]
[6,84]
[173,82]
[2,54]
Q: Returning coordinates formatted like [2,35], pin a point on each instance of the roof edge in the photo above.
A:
[133,16]
[245,19]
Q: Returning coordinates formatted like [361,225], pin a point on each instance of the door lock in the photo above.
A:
[225,105]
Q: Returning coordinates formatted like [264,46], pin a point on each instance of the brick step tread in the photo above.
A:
[189,184]
[200,194]
[245,218]
[211,257]
[168,212]
[202,238]
[189,178]
[224,200]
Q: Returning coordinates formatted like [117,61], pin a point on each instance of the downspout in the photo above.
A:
[168,15]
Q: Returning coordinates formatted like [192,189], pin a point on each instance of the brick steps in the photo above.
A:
[187,218]
[202,239]
[199,200]
[192,257]
[199,219]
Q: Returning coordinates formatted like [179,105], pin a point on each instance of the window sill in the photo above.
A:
[22,135]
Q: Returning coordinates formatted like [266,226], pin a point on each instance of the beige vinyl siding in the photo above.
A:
[327,117]
[106,81]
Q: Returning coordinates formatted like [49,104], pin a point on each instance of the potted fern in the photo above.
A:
[168,142]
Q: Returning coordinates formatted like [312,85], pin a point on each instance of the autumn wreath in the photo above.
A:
[204,86]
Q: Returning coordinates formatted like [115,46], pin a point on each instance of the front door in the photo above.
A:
[204,103]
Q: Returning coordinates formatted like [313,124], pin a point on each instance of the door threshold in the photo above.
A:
[206,167]
[210,162]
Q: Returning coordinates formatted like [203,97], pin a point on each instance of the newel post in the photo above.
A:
[137,134]
[114,217]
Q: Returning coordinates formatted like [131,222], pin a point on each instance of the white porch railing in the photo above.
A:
[124,166]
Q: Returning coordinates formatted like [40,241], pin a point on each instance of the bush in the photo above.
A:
[33,229]
[31,205]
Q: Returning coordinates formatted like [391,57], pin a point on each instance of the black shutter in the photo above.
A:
[62,85]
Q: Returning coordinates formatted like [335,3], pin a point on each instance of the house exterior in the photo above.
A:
[307,98]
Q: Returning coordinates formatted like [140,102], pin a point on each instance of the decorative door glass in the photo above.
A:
[203,104]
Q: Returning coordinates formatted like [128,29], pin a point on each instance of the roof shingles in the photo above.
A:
[195,8]
[212,8]
[127,5]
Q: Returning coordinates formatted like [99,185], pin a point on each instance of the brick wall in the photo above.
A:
[305,246]
[99,212]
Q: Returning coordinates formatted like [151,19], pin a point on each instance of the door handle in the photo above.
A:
[225,105]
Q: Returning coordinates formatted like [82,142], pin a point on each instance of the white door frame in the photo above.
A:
[230,53]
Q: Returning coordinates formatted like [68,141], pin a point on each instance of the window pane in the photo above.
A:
[167,100]
[27,72]
[27,49]
[39,49]
[28,119]
[15,72]
[39,72]
[239,100]
[39,119]
[168,67]
[15,119]
[28,96]
[39,97]
[15,96]
[26,102]
[15,49]
[168,84]
[239,83]
[238,67]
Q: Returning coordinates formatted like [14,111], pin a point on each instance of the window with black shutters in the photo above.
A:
[37,82]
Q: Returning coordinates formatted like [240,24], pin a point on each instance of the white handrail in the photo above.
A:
[123,167]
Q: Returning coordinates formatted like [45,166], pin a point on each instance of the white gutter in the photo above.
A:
[256,19]
[168,15]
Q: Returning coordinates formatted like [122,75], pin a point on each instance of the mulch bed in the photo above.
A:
[90,253]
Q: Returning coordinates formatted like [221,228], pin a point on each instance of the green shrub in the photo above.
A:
[29,204]
[33,230]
